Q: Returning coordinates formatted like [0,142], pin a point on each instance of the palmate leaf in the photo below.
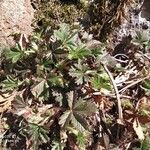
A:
[56,145]
[10,83]
[14,54]
[106,59]
[65,118]
[65,36]
[43,134]
[17,53]
[81,72]
[38,134]
[81,140]
[56,81]
[79,122]
[62,33]
[71,39]
[81,137]
[67,115]
[20,105]
[78,52]
[147,45]
[101,82]
[141,37]
[78,74]
[5,102]
[77,113]
[80,110]
[39,88]
[145,112]
[97,51]
[86,108]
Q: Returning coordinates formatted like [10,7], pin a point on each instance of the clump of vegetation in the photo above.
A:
[98,18]
[52,13]
[61,91]
[46,85]
[58,93]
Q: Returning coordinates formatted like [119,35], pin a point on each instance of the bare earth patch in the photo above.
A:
[15,17]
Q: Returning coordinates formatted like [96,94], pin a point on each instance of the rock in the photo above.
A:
[15,17]
[146,10]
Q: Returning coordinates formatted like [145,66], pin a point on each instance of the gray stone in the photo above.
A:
[146,10]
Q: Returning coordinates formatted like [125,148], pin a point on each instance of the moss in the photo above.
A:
[54,12]
[99,17]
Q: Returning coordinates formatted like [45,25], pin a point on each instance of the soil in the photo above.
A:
[15,17]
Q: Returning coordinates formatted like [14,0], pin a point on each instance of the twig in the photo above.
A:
[133,83]
[128,145]
[121,96]
[121,55]
[121,61]
[116,92]
[144,55]
[112,95]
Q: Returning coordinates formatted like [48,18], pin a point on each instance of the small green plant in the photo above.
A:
[10,83]
[17,53]
[145,144]
[66,92]
[60,67]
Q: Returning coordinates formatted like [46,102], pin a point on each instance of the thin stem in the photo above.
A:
[116,91]
[133,83]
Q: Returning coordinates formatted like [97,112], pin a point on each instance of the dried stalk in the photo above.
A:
[133,83]
[116,92]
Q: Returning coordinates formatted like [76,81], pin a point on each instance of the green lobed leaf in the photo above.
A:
[39,88]
[81,140]
[79,122]
[78,52]
[86,108]
[10,83]
[56,81]
[14,55]
[81,72]
[101,82]
[65,118]
[62,33]
[142,37]
[78,74]
[43,134]
[145,112]
[38,134]
[56,145]
[71,40]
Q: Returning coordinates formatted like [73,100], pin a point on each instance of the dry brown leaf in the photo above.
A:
[5,102]
[38,89]
[144,103]
[138,129]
